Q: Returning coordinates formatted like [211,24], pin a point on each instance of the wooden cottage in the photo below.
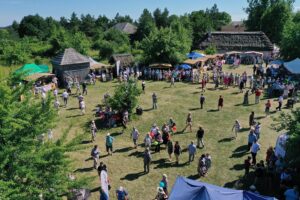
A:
[126,60]
[70,65]
[126,27]
[238,41]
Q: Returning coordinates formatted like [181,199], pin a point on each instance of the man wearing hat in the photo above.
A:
[161,195]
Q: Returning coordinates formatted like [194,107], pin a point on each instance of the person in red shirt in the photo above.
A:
[267,107]
[257,95]
[203,84]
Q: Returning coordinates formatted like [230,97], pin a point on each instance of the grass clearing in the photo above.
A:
[125,165]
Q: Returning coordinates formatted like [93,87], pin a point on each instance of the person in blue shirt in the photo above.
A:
[192,151]
[251,138]
[292,194]
[109,144]
[122,194]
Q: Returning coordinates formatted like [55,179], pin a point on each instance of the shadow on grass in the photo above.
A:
[96,189]
[72,116]
[260,117]
[137,154]
[237,167]
[228,139]
[193,109]
[162,160]
[72,108]
[103,156]
[85,142]
[164,165]
[244,129]
[115,134]
[196,92]
[123,150]
[88,159]
[194,177]
[213,110]
[240,151]
[235,93]
[87,169]
[146,110]
[133,176]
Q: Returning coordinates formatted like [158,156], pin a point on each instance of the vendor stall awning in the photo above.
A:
[29,69]
[293,66]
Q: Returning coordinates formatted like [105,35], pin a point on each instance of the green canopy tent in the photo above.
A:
[30,69]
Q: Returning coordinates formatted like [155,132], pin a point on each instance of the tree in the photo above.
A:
[34,25]
[255,11]
[102,22]
[217,18]
[161,18]
[87,25]
[210,50]
[120,19]
[125,96]
[290,38]
[146,24]
[168,45]
[296,17]
[74,23]
[291,124]
[29,167]
[274,18]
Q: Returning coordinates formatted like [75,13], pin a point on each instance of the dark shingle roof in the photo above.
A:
[126,28]
[68,57]
[237,41]
[125,59]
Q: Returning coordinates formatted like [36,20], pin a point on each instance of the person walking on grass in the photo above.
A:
[143,86]
[247,164]
[172,81]
[65,96]
[109,144]
[192,151]
[280,101]
[95,155]
[251,119]
[202,101]
[84,89]
[236,128]
[170,149]
[82,107]
[220,102]
[154,101]
[147,160]
[267,107]
[93,130]
[251,138]
[135,136]
[199,135]
[254,149]
[257,95]
[188,122]
[177,152]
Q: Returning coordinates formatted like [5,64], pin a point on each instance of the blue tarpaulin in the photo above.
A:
[185,188]
[195,55]
[184,67]
[293,66]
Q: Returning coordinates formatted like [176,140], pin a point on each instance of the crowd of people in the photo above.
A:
[162,138]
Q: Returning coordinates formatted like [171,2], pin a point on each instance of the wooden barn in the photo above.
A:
[126,27]
[70,65]
[238,41]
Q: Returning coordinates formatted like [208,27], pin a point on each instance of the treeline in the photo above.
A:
[277,19]
[160,37]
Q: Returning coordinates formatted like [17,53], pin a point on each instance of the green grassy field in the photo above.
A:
[125,165]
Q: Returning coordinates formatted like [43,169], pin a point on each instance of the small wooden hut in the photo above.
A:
[126,60]
[70,65]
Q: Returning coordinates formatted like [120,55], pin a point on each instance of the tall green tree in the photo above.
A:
[290,38]
[255,11]
[167,45]
[87,25]
[218,18]
[146,24]
[161,18]
[291,124]
[34,25]
[29,168]
[274,19]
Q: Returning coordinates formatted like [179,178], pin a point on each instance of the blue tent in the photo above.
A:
[293,66]
[184,67]
[185,188]
[194,55]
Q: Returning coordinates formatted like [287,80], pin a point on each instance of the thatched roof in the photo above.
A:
[125,59]
[68,57]
[237,41]
[126,28]
[195,61]
[37,76]
[235,26]
[160,65]
[96,65]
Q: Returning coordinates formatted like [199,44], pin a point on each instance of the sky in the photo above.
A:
[11,10]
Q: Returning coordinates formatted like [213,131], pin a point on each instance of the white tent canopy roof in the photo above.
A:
[293,66]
